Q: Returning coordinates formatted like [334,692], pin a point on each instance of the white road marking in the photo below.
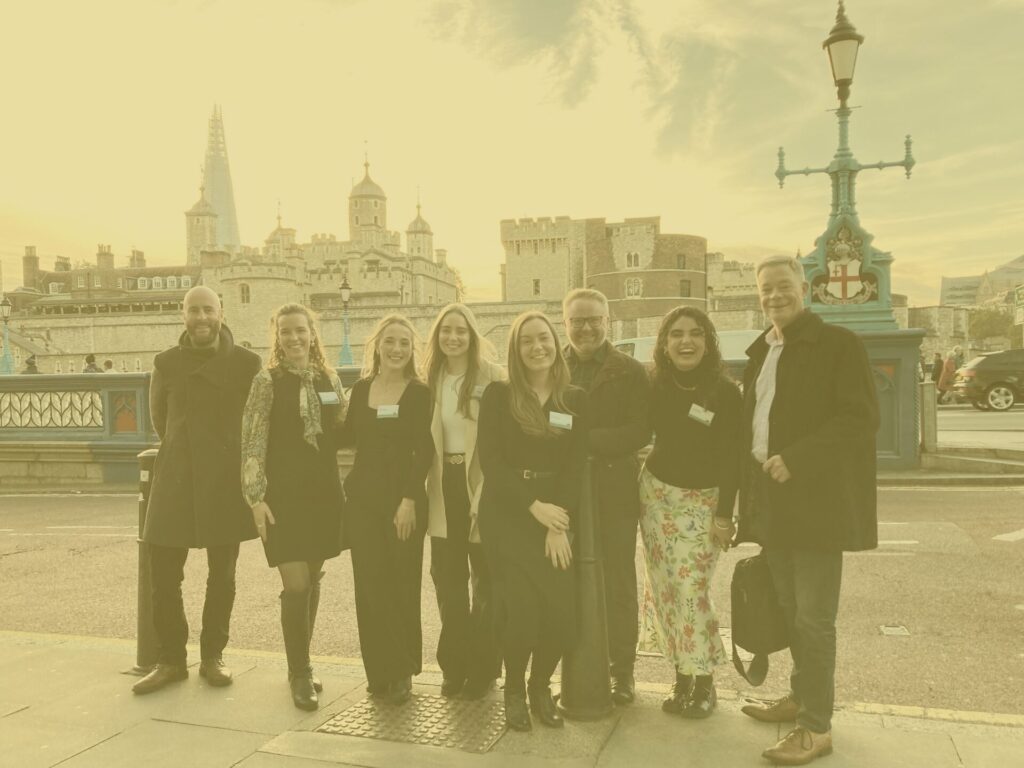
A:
[898,542]
[883,522]
[116,535]
[879,553]
[1012,536]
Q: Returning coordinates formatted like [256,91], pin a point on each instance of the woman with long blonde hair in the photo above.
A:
[386,513]
[533,450]
[290,433]
[459,365]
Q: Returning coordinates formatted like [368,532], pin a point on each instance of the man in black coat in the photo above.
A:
[808,487]
[617,417]
[196,396]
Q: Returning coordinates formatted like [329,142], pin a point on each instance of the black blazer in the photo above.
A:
[823,422]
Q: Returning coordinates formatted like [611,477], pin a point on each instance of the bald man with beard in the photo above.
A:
[196,397]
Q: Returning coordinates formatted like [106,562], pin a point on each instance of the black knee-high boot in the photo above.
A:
[295,627]
[314,605]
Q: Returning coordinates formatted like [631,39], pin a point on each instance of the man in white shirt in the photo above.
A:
[808,492]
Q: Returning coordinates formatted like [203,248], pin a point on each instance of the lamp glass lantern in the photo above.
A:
[842,45]
[5,309]
[346,290]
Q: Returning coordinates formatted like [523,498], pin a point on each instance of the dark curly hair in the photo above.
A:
[709,371]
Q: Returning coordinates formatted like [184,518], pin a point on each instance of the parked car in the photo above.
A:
[993,381]
[733,345]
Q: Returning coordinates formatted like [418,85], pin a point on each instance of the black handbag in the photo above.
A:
[758,625]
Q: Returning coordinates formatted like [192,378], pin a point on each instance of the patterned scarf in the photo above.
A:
[309,401]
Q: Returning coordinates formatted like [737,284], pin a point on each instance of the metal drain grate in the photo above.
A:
[472,726]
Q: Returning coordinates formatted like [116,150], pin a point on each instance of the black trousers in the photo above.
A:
[387,574]
[618,549]
[467,648]
[167,571]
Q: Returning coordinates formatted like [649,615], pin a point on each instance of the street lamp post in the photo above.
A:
[6,362]
[850,279]
[345,356]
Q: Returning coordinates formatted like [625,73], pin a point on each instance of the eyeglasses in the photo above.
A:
[577,323]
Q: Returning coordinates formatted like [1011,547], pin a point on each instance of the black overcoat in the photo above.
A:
[618,418]
[823,422]
[196,402]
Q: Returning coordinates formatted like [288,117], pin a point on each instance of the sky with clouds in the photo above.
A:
[512,108]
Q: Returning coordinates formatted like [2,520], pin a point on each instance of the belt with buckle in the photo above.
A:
[530,474]
[455,458]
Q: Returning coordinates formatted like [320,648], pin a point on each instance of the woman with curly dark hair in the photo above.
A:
[688,488]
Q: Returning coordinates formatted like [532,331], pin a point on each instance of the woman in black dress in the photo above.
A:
[532,450]
[688,489]
[290,430]
[386,513]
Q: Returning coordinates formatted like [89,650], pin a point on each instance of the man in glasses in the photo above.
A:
[618,405]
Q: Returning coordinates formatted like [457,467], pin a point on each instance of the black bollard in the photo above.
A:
[147,647]
[586,686]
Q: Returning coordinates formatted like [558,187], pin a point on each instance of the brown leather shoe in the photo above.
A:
[159,677]
[215,672]
[799,747]
[782,710]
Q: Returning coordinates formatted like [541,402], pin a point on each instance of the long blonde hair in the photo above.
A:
[317,358]
[371,356]
[480,353]
[527,409]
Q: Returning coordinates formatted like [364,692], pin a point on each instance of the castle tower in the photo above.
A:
[419,238]
[30,268]
[217,181]
[367,211]
[200,228]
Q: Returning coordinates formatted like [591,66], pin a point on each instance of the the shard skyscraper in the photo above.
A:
[217,182]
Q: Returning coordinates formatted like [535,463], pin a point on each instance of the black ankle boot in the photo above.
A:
[680,697]
[543,707]
[517,717]
[704,699]
[295,628]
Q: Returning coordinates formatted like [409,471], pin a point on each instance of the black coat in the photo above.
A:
[823,422]
[196,402]
[618,407]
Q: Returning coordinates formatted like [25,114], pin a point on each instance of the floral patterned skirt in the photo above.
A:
[678,618]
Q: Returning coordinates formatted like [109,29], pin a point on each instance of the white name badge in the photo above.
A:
[328,398]
[560,420]
[478,391]
[387,412]
[703,415]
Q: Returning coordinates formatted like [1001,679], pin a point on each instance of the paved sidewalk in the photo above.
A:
[62,702]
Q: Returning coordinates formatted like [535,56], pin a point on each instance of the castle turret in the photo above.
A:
[200,228]
[419,237]
[367,210]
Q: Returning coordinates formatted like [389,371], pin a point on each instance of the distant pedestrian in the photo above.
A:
[108,366]
[196,397]
[533,450]
[688,488]
[291,430]
[958,357]
[458,366]
[30,365]
[808,490]
[947,378]
[936,372]
[90,365]
[388,423]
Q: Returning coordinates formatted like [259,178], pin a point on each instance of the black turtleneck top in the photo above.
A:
[689,454]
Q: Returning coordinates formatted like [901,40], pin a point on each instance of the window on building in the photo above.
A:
[517,247]
[376,203]
[143,283]
[680,261]
[80,281]
[376,220]
[355,203]
[536,287]
[158,283]
[186,282]
[634,287]
[535,248]
[97,281]
[357,221]
[120,282]
[54,287]
[684,288]
[632,260]
[245,295]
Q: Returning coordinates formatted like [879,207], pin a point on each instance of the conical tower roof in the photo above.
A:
[419,225]
[202,206]
[368,187]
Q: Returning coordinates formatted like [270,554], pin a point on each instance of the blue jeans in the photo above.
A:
[807,583]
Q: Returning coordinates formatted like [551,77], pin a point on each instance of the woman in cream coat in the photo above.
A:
[458,367]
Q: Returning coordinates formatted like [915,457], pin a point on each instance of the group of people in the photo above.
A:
[490,464]
[943,373]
